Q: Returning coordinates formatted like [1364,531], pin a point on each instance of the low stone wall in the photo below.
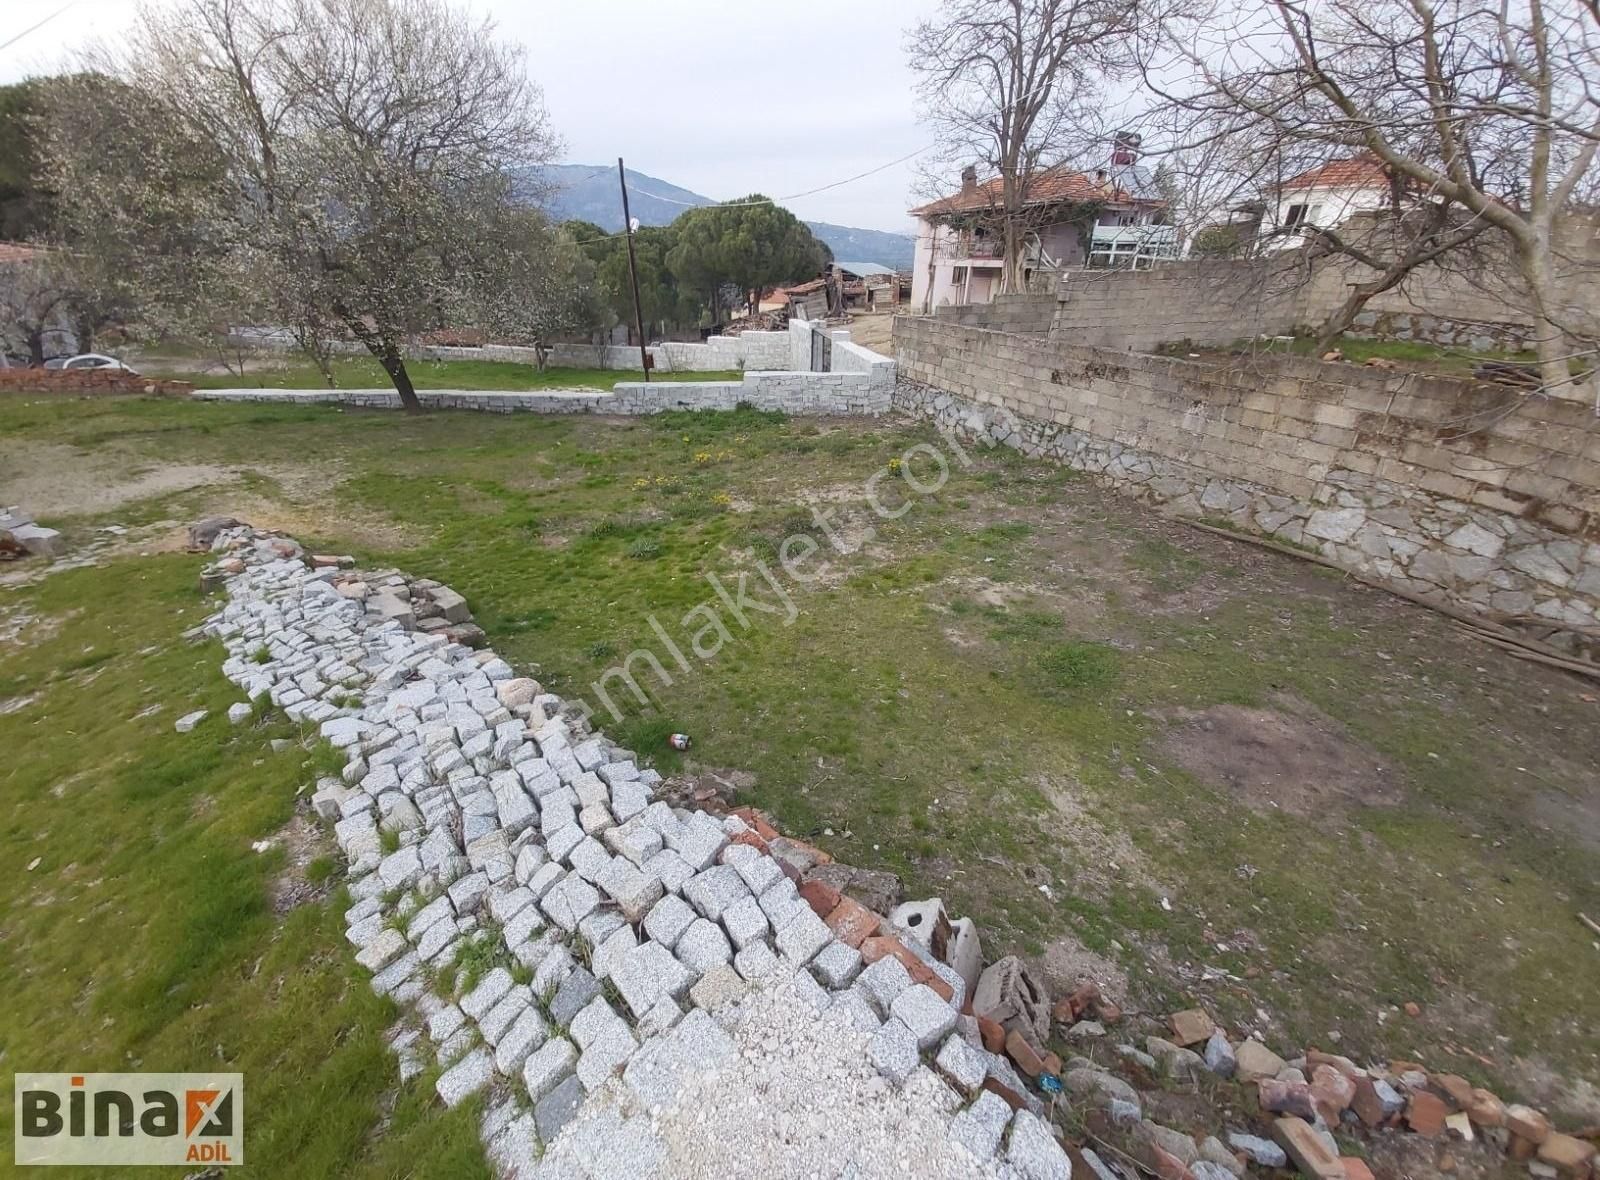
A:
[821,394]
[1456,490]
[717,354]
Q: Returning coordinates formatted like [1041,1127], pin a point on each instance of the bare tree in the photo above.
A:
[35,304]
[328,166]
[1486,116]
[1013,87]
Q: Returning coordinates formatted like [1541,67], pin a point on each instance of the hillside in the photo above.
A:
[589,192]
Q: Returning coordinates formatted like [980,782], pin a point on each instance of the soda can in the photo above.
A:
[679,741]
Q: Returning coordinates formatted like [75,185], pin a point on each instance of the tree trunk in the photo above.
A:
[1551,343]
[1344,315]
[36,347]
[387,352]
[85,334]
[394,365]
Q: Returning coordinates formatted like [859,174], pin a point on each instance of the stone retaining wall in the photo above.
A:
[1461,491]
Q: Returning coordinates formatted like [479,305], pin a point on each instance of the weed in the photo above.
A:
[389,840]
[261,655]
[644,549]
[321,869]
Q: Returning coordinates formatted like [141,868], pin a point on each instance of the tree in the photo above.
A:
[1485,117]
[35,303]
[332,166]
[1011,88]
[26,205]
[751,243]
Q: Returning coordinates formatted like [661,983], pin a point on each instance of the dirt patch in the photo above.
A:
[1569,817]
[1066,963]
[1290,759]
[302,841]
[1103,859]
[55,480]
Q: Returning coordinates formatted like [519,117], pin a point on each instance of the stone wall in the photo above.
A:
[868,391]
[717,354]
[1031,311]
[1461,491]
[1212,302]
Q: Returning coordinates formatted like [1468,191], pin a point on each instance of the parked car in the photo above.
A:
[95,360]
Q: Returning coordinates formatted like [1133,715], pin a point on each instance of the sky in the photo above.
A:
[724,97]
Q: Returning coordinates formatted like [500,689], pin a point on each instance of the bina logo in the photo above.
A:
[129,1118]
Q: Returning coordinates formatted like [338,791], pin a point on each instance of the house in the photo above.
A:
[867,285]
[1325,196]
[1113,218]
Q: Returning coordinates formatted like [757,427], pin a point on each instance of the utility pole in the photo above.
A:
[633,272]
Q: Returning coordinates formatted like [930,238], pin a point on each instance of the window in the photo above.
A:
[958,275]
[1302,215]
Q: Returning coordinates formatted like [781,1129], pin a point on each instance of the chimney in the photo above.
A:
[1125,148]
[969,180]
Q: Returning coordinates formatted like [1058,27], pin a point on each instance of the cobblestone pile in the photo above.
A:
[585,954]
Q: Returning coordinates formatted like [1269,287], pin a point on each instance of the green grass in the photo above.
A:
[1435,358]
[144,939]
[955,736]
[360,373]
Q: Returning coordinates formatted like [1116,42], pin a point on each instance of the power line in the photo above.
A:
[36,27]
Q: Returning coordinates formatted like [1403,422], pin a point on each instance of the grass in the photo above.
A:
[144,938]
[362,373]
[1410,354]
[976,699]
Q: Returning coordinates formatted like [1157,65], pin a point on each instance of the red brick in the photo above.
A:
[751,838]
[993,1034]
[1485,1110]
[1355,1169]
[1062,1011]
[1307,1150]
[821,897]
[851,922]
[1164,1164]
[1425,1114]
[1108,1013]
[1568,1155]
[1023,1054]
[758,821]
[1366,1103]
[1332,1092]
[1527,1123]
[942,989]
[1279,1097]
[1454,1087]
[1014,1100]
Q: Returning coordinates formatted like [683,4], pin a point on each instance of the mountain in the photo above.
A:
[589,192]
[867,245]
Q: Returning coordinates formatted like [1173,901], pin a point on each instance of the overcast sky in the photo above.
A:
[724,97]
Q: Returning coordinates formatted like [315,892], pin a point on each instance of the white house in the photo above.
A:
[1323,197]
[958,255]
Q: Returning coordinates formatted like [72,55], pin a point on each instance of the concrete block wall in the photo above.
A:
[1463,491]
[1025,311]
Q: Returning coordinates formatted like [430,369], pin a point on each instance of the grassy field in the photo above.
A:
[1227,776]
[364,373]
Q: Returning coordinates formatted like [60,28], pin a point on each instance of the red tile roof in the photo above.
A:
[1053,186]
[1363,171]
